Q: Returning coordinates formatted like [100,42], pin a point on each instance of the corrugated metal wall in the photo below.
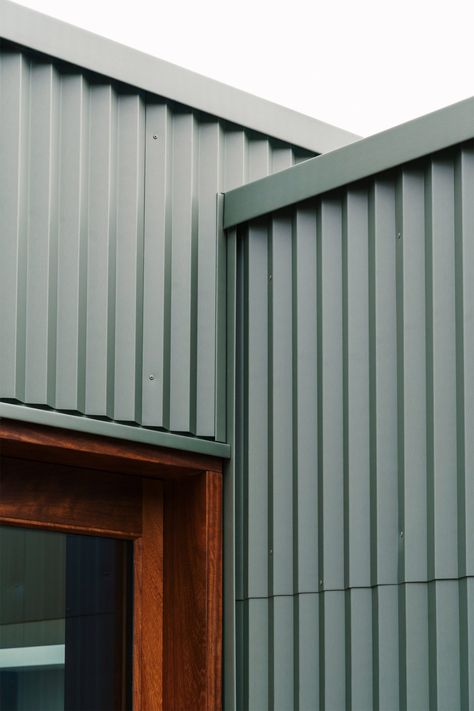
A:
[355,447]
[109,246]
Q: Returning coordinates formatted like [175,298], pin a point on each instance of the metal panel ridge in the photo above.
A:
[85,49]
[388,149]
[113,254]
[353,453]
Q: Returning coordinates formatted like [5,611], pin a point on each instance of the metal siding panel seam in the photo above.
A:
[256,415]
[386,640]
[258,157]
[464,188]
[129,258]
[413,461]
[361,649]
[155,247]
[14,98]
[308,668]
[100,327]
[447,644]
[357,390]
[221,414]
[306,389]
[282,157]
[334,685]
[384,425]
[182,268]
[235,158]
[444,502]
[42,238]
[232,546]
[280,408]
[256,654]
[281,610]
[73,145]
[208,184]
[332,395]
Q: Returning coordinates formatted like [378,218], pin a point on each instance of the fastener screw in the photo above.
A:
[155,137]
[151,377]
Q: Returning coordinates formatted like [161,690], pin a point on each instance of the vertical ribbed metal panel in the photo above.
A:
[355,393]
[390,647]
[110,245]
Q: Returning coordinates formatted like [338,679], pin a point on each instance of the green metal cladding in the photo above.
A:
[324,345]
[354,448]
[109,245]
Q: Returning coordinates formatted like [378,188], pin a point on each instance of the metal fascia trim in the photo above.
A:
[82,423]
[385,150]
[90,51]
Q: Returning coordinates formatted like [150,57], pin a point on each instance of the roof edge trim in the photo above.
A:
[90,51]
[82,423]
[388,149]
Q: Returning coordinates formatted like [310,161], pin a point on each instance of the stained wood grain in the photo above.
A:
[152,597]
[49,444]
[67,498]
[170,504]
[193,593]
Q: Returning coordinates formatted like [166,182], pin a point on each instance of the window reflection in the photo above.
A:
[65,622]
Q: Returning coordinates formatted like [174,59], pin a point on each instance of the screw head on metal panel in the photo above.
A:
[401,534]
[151,377]
[269,276]
[399,235]
[155,137]
[321,583]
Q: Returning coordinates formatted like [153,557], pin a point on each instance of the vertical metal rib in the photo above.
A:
[366,287]
[444,369]
[332,402]
[156,221]
[130,328]
[305,401]
[14,149]
[101,221]
[209,180]
[129,258]
[42,238]
[70,315]
[281,393]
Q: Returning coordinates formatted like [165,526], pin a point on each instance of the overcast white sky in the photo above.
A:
[364,65]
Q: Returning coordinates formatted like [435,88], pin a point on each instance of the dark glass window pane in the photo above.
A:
[65,622]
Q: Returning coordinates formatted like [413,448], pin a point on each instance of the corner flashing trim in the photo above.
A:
[409,141]
[90,51]
[82,423]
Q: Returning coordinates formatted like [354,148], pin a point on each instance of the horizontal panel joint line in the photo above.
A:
[356,587]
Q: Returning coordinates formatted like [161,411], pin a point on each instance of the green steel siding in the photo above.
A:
[110,245]
[354,447]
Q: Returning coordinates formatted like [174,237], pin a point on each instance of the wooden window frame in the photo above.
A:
[175,523]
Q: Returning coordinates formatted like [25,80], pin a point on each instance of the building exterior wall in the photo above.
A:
[110,246]
[341,330]
[354,453]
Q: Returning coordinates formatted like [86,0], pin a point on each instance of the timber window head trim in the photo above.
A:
[169,504]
